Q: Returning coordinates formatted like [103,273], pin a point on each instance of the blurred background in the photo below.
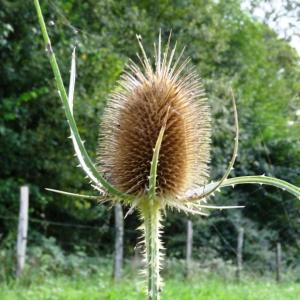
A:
[249,45]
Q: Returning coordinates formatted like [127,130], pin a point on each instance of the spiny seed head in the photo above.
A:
[134,115]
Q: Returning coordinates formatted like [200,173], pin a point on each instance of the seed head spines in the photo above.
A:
[146,98]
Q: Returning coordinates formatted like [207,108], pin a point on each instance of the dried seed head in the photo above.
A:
[134,117]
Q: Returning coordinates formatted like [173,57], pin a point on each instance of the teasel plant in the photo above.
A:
[154,145]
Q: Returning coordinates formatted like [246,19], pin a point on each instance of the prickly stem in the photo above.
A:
[151,213]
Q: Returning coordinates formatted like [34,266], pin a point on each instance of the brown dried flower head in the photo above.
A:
[147,96]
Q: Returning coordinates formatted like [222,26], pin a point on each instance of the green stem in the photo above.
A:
[151,213]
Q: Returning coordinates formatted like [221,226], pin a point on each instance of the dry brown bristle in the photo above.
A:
[134,117]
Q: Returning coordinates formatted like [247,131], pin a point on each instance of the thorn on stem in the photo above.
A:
[49,49]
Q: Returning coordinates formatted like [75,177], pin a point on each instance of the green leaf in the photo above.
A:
[72,194]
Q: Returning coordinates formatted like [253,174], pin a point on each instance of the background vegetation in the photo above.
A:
[228,48]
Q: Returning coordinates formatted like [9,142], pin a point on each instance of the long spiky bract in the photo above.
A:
[85,161]
[154,144]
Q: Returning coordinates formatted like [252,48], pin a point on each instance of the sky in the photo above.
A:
[287,23]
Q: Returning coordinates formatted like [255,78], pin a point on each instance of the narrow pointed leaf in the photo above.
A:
[72,194]
[219,183]
[220,207]
[91,170]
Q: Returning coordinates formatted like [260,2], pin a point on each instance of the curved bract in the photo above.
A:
[292,189]
[84,159]
[200,192]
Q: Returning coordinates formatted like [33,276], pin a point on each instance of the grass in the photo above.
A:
[101,287]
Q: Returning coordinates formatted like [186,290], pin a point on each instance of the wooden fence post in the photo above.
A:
[189,247]
[22,229]
[278,262]
[239,253]
[119,240]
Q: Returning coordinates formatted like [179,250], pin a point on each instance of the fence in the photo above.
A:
[24,219]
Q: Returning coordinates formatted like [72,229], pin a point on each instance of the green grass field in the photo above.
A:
[101,287]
